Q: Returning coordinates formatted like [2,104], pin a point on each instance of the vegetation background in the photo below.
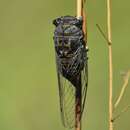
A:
[28,83]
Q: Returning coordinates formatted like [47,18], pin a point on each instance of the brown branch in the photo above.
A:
[78,97]
[79,8]
[110,64]
[84,26]
[110,89]
[126,80]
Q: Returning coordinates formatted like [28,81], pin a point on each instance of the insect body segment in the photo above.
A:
[71,60]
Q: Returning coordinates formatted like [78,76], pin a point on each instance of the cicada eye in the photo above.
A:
[79,22]
[57,21]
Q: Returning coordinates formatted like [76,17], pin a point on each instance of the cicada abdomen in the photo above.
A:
[71,60]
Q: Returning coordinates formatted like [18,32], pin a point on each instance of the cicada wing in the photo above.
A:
[67,94]
[84,82]
[67,101]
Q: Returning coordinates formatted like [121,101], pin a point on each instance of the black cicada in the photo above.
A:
[71,61]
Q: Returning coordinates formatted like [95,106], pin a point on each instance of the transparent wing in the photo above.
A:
[67,94]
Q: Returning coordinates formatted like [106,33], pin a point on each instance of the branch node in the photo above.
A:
[122,112]
[112,120]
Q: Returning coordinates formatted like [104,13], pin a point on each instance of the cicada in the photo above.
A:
[72,67]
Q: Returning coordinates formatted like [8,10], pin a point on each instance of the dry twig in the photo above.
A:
[126,80]
[80,13]
[110,64]
[103,34]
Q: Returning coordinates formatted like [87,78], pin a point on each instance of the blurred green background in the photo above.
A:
[28,83]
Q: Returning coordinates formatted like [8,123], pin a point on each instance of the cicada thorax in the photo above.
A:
[70,47]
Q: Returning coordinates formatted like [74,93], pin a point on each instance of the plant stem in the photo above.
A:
[79,8]
[110,64]
[79,88]
[110,89]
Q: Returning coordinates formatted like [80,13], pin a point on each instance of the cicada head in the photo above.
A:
[68,35]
